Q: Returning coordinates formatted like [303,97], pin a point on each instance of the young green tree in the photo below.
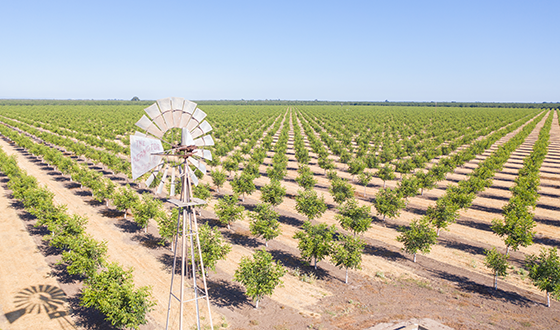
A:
[516,227]
[408,187]
[544,270]
[125,198]
[103,190]
[385,173]
[365,178]
[310,204]
[212,246]
[418,237]
[228,211]
[347,253]
[498,263]
[84,256]
[259,275]
[202,191]
[112,293]
[325,163]
[230,165]
[443,214]
[167,227]
[273,193]
[218,178]
[388,203]
[425,181]
[315,241]
[243,184]
[264,222]
[353,217]
[341,190]
[148,208]
[305,179]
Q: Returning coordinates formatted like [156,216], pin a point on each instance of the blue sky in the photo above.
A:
[305,50]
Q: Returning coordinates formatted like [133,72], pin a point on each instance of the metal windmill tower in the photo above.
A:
[173,143]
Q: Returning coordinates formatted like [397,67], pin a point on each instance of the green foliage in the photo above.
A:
[259,275]
[347,253]
[341,190]
[167,226]
[230,165]
[388,203]
[125,199]
[310,204]
[273,193]
[218,178]
[443,214]
[418,237]
[148,208]
[227,210]
[544,271]
[202,191]
[264,222]
[353,217]
[516,227]
[84,256]
[112,293]
[243,184]
[306,179]
[385,173]
[408,187]
[497,262]
[212,246]
[315,241]
[65,229]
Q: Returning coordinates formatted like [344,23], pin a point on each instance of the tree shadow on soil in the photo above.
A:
[127,226]
[226,294]
[88,318]
[487,209]
[292,262]
[147,240]
[468,285]
[462,246]
[59,272]
[292,221]
[240,239]
[469,222]
[383,252]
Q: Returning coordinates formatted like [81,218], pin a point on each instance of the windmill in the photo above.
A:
[173,140]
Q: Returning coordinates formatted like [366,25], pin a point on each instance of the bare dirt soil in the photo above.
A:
[450,285]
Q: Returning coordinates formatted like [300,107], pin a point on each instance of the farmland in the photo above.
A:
[424,157]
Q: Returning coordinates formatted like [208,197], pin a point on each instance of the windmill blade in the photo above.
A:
[204,141]
[146,124]
[201,129]
[155,114]
[140,134]
[198,164]
[177,103]
[164,104]
[186,137]
[206,154]
[160,187]
[193,176]
[196,119]
[168,116]
[153,175]
[177,115]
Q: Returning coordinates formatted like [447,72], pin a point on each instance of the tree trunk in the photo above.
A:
[547,299]
[257,304]
[146,229]
[228,227]
[495,281]
[421,191]
[346,276]
[383,184]
[383,217]
[125,211]
[107,201]
[266,243]
[437,232]
[365,190]
[243,198]
[507,250]
[315,262]
[414,259]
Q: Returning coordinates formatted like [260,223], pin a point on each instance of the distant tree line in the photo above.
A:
[137,101]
